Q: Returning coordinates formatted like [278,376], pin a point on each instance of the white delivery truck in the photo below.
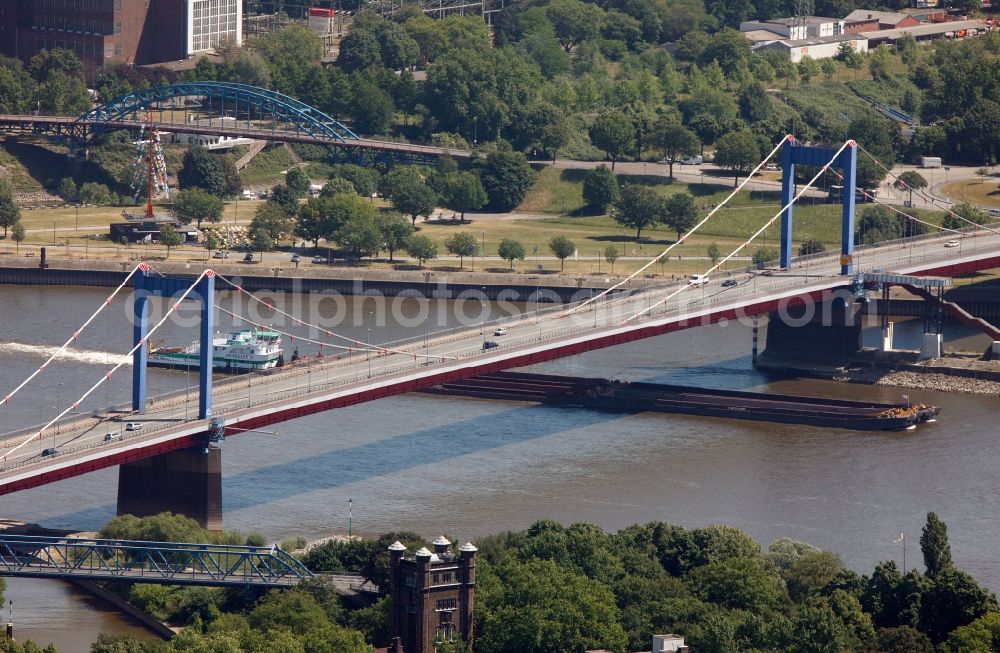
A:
[930,162]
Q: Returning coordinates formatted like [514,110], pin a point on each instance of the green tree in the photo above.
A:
[811,246]
[738,152]
[613,132]
[638,207]
[315,219]
[910,180]
[259,240]
[611,255]
[679,212]
[371,107]
[511,250]
[763,256]
[272,219]
[364,180]
[293,610]
[574,21]
[200,169]
[904,639]
[359,50]
[934,545]
[954,599]
[396,232]
[409,193]
[359,235]
[67,189]
[961,216]
[675,141]
[980,636]
[465,193]
[196,205]
[755,103]
[298,181]
[336,186]
[462,244]
[169,238]
[526,608]
[17,233]
[562,248]
[92,193]
[421,248]
[713,253]
[10,211]
[600,188]
[810,574]
[506,178]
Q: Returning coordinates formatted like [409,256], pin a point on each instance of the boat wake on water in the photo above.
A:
[89,357]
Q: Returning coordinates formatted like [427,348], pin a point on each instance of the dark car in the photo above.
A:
[729,283]
[51,451]
[489,344]
[248,258]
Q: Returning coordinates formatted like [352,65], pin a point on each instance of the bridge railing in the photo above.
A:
[163,562]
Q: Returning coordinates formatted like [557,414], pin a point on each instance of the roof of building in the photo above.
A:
[763,35]
[862,15]
[822,40]
[397,546]
[929,29]
[442,541]
[422,552]
[468,547]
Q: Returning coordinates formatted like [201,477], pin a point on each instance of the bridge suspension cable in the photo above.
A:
[745,243]
[788,137]
[361,346]
[107,375]
[74,337]
[894,209]
[926,197]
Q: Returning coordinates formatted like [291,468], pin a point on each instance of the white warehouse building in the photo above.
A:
[822,47]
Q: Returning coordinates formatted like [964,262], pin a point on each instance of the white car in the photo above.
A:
[952,243]
[133,426]
[500,331]
[319,259]
[698,279]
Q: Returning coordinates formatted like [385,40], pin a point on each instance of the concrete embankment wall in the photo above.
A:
[438,285]
[118,602]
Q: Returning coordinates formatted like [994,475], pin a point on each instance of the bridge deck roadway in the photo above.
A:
[254,402]
[40,124]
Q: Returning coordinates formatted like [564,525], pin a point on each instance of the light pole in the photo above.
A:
[368,342]
[427,317]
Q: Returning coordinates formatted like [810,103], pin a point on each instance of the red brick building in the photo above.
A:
[869,20]
[432,595]
[129,31]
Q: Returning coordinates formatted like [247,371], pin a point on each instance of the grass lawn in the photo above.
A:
[983,191]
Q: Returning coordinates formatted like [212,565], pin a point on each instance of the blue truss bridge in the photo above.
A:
[165,563]
[219,109]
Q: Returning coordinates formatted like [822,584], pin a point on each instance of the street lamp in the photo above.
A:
[368,343]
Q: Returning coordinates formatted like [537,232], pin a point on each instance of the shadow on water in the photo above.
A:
[339,467]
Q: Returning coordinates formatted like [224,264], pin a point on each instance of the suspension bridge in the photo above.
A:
[220,109]
[363,370]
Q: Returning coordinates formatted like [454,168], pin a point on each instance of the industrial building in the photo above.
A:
[129,31]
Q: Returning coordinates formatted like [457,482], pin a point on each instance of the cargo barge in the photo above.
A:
[618,396]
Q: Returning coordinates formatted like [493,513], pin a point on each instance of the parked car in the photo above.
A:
[133,426]
[319,259]
[489,344]
[729,283]
[771,167]
[698,279]
[994,213]
[500,331]
[295,258]
[111,437]
[951,243]
[220,254]
[50,451]
[248,257]
[692,160]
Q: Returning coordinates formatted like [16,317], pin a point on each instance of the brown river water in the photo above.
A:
[469,468]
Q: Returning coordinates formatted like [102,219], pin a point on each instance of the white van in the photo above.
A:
[692,160]
[698,279]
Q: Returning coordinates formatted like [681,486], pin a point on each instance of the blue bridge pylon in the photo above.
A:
[793,153]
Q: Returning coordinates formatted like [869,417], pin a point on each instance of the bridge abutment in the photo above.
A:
[185,482]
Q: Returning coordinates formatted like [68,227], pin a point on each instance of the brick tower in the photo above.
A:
[432,596]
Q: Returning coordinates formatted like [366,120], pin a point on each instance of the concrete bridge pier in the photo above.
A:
[826,333]
[185,482]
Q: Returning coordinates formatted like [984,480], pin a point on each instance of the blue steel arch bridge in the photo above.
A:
[220,109]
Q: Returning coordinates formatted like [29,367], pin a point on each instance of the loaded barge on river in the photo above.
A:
[618,396]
